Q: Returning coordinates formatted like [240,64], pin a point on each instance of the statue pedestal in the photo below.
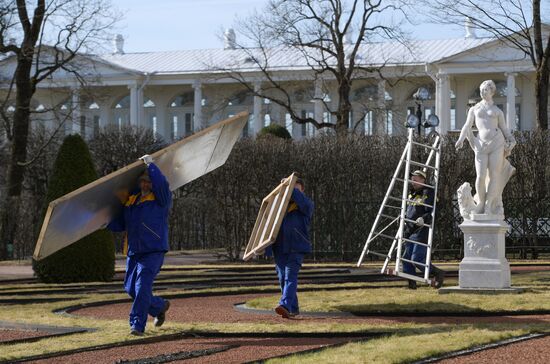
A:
[484,268]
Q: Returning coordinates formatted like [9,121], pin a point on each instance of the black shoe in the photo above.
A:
[281,310]
[136,332]
[159,320]
[412,284]
[439,278]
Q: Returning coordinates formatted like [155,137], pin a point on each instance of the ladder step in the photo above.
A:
[411,201]
[385,236]
[393,207]
[419,203]
[408,276]
[415,242]
[422,184]
[414,163]
[377,254]
[414,222]
[413,262]
[389,217]
[395,198]
[426,146]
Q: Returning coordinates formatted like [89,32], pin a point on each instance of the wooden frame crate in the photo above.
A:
[269,220]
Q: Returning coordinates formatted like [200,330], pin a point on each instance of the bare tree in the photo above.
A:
[517,23]
[322,39]
[49,40]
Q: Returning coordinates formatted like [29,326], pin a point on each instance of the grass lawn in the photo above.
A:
[401,300]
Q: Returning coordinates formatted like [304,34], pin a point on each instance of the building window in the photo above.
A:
[288,123]
[368,120]
[83,126]
[96,126]
[188,123]
[174,133]
[518,117]
[389,122]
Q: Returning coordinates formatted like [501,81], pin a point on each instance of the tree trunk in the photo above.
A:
[541,96]
[344,108]
[16,171]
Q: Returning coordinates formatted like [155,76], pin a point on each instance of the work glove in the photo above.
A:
[420,221]
[147,159]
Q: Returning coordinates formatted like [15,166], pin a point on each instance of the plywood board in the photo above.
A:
[89,208]
[269,219]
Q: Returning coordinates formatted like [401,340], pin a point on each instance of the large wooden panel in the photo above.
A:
[91,207]
[269,220]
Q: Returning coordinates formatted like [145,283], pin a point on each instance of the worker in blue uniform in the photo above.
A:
[289,248]
[417,211]
[144,218]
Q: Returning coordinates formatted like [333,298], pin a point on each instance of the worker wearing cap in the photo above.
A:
[289,248]
[144,218]
[417,211]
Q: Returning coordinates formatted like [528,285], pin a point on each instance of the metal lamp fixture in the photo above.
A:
[415,120]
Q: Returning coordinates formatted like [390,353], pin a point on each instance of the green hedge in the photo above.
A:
[347,178]
[91,258]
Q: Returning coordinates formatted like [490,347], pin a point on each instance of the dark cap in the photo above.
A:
[145,177]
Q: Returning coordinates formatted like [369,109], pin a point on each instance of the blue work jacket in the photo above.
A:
[294,233]
[415,210]
[146,219]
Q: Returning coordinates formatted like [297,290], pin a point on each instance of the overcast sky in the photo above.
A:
[158,25]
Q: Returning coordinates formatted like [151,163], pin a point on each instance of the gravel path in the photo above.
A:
[534,351]
[220,309]
[14,334]
[235,350]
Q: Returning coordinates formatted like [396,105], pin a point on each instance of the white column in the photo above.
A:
[76,112]
[197,121]
[258,119]
[134,105]
[445,102]
[142,119]
[318,106]
[511,100]
[380,128]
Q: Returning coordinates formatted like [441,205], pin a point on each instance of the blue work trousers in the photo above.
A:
[288,267]
[416,253]
[141,271]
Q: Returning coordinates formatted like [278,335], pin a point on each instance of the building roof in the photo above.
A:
[417,52]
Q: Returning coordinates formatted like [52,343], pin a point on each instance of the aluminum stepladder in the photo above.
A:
[381,223]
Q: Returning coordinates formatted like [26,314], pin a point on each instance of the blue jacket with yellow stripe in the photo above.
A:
[145,219]
[416,209]
[294,234]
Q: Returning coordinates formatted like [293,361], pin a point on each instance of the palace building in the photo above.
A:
[178,92]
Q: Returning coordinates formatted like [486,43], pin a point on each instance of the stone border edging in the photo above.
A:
[457,353]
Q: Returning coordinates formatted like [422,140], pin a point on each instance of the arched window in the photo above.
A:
[121,111]
[149,103]
[184,100]
[123,103]
[240,98]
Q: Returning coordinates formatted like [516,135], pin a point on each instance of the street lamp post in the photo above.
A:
[415,120]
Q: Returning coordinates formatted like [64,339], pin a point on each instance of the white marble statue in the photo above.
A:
[492,144]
